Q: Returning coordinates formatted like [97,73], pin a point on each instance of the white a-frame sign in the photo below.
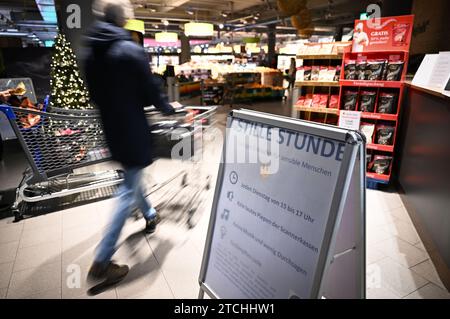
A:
[288,217]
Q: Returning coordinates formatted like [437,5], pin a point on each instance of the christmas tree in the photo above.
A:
[67,87]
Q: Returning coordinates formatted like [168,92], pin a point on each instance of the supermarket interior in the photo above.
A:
[197,149]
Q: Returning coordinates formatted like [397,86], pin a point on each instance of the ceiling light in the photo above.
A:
[166,37]
[199,29]
[224,14]
[156,26]
[165,22]
[189,11]
[256,17]
[221,26]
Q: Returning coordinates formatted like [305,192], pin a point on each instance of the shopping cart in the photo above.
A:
[55,144]
[58,142]
[183,191]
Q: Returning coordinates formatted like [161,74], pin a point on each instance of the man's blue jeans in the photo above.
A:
[129,194]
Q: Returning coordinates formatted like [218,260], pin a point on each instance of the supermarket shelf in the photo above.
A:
[319,56]
[379,116]
[383,148]
[316,83]
[378,177]
[317,110]
[375,84]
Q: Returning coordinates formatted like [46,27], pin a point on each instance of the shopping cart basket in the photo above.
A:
[55,143]
[188,127]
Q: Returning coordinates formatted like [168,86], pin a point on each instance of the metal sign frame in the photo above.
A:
[355,148]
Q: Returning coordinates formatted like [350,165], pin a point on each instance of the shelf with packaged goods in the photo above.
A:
[378,177]
[372,84]
[317,110]
[319,56]
[379,116]
[378,147]
[317,83]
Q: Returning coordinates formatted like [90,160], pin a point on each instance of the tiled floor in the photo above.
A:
[48,256]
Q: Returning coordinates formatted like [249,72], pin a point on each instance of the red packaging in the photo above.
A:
[316,100]
[308,100]
[300,101]
[323,100]
[334,101]
[400,34]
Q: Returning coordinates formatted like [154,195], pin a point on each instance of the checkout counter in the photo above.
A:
[424,170]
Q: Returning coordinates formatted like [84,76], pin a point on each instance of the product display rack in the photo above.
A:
[376,118]
[317,114]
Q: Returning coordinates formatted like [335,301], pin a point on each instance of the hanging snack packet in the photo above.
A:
[367,101]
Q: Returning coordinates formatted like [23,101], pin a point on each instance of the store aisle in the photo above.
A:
[48,256]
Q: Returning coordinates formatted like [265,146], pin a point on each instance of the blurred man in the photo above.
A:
[120,84]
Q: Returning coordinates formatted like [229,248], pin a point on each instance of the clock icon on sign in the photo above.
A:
[234,177]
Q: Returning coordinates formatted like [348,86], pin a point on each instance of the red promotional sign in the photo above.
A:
[383,34]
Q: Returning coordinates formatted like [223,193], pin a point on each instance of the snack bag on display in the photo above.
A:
[367,129]
[381,164]
[386,103]
[323,100]
[315,70]
[385,135]
[394,71]
[307,73]
[300,74]
[361,66]
[308,100]
[334,101]
[350,70]
[330,74]
[323,74]
[316,100]
[367,101]
[374,70]
[300,101]
[350,98]
[337,74]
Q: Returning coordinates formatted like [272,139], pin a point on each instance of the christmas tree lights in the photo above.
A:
[68,90]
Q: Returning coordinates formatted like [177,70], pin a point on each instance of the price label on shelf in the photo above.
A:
[350,120]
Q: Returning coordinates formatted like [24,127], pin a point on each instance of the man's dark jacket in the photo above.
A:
[120,84]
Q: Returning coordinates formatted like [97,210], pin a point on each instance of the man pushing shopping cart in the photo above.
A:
[120,83]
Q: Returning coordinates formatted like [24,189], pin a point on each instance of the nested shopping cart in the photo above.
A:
[55,144]
[58,142]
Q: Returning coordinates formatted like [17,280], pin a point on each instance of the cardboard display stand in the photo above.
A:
[291,225]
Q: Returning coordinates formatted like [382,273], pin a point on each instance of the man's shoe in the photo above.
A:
[150,224]
[111,273]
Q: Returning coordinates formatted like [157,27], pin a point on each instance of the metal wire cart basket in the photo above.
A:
[58,142]
[55,143]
